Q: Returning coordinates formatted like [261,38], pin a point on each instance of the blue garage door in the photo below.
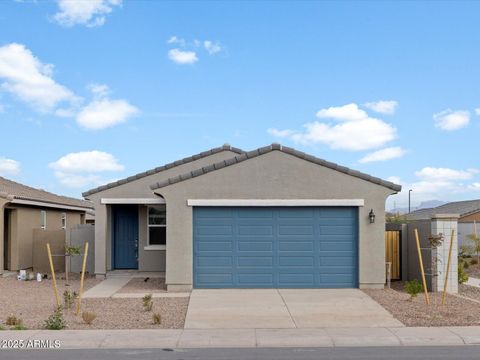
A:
[275,247]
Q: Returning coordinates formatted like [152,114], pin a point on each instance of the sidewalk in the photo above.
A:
[251,338]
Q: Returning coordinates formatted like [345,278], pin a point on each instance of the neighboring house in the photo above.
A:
[469,212]
[23,209]
[269,218]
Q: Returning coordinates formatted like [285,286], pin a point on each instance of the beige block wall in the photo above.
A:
[23,221]
[275,175]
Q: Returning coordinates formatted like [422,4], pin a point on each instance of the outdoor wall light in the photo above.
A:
[371,216]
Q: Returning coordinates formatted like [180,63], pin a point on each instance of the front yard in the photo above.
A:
[33,302]
[457,311]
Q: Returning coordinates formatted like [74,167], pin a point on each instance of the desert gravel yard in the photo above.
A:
[456,312]
[34,301]
[470,291]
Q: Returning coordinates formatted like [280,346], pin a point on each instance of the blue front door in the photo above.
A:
[125,237]
[275,247]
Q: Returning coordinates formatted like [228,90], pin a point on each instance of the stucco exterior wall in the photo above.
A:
[23,221]
[139,188]
[2,206]
[274,175]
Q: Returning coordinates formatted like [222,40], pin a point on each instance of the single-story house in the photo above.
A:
[468,212]
[273,217]
[24,209]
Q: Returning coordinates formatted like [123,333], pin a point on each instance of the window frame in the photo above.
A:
[155,246]
[43,219]
[63,219]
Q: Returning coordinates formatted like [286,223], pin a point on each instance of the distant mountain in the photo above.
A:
[423,205]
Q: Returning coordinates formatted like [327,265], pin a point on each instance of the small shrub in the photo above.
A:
[12,320]
[56,320]
[466,265]
[413,288]
[69,299]
[88,317]
[19,327]
[462,275]
[147,302]
[157,319]
[1,328]
[473,262]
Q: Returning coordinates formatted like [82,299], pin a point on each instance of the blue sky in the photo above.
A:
[96,91]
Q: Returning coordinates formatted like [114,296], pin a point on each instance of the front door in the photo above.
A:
[125,237]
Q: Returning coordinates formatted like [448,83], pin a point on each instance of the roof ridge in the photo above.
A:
[167,166]
[266,149]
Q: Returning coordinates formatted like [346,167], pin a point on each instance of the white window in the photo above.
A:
[157,227]
[64,220]
[43,219]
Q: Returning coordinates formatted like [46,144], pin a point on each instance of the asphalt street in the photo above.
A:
[356,353]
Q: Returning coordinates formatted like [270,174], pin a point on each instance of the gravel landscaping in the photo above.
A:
[34,301]
[139,285]
[472,292]
[473,271]
[456,312]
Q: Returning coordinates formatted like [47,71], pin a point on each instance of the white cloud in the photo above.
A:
[84,168]
[474,186]
[176,40]
[356,130]
[387,107]
[104,113]
[99,90]
[383,155]
[182,57]
[9,167]
[477,111]
[444,174]
[211,47]
[90,13]
[451,120]
[26,77]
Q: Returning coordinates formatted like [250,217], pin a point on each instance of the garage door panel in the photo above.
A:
[214,261]
[275,247]
[296,261]
[215,246]
[337,260]
[255,261]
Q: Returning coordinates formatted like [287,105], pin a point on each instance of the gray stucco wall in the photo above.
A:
[137,189]
[274,175]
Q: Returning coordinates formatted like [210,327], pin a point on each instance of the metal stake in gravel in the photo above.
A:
[448,268]
[84,265]
[420,260]
[55,289]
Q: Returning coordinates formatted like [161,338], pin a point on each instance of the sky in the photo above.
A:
[95,91]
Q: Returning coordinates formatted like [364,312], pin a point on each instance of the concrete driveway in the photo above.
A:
[285,308]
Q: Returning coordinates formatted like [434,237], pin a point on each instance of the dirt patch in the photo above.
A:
[142,285]
[34,302]
[456,311]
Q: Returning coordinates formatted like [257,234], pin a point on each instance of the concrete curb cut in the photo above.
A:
[247,338]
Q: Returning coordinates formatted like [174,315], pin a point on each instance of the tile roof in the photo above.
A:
[186,160]
[461,208]
[267,149]
[12,190]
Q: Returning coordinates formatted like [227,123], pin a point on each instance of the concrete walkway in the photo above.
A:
[251,338]
[107,287]
[473,281]
[285,309]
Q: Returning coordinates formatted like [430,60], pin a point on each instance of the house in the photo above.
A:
[468,211]
[24,209]
[274,217]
